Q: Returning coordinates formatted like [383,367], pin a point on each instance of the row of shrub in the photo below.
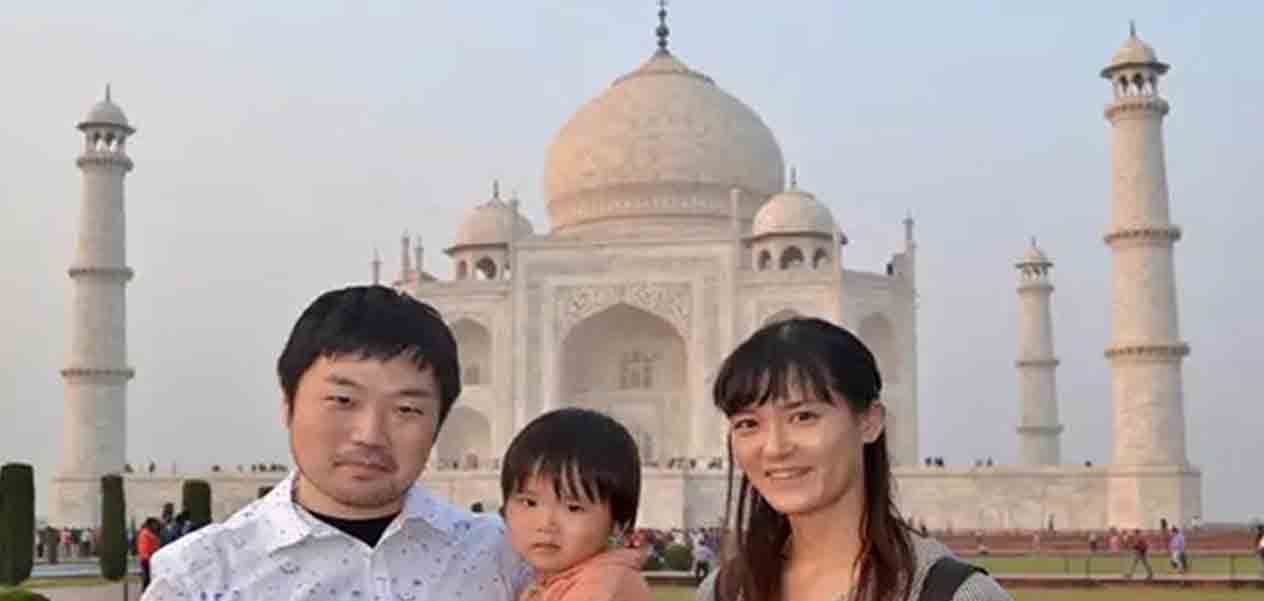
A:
[675,557]
[17,524]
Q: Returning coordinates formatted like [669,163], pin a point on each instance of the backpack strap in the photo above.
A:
[946,575]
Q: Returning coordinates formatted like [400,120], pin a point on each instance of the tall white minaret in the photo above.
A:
[1038,428]
[1152,479]
[94,436]
[376,267]
[405,260]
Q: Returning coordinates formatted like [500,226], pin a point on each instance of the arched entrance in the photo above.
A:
[474,343]
[465,440]
[631,364]
[878,334]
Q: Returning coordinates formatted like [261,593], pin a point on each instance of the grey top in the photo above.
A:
[979,587]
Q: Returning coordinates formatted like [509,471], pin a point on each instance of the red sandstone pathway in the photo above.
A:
[106,592]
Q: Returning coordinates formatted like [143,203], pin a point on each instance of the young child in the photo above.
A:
[571,481]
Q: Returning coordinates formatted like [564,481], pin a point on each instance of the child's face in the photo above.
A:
[554,534]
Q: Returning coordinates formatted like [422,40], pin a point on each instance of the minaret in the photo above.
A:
[94,435]
[1152,479]
[405,260]
[376,266]
[1038,427]
[419,258]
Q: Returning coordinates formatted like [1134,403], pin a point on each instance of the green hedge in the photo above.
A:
[113,545]
[18,594]
[678,557]
[17,522]
[196,496]
[652,563]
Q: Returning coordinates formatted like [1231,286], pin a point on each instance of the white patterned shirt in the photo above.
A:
[275,549]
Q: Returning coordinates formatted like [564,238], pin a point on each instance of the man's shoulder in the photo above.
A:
[217,546]
[463,526]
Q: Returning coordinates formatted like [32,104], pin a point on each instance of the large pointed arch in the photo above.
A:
[633,365]
[877,332]
[465,440]
[474,344]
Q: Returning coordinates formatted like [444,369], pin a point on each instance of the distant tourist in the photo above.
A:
[703,559]
[367,377]
[1259,546]
[1140,555]
[571,484]
[148,542]
[815,517]
[1176,547]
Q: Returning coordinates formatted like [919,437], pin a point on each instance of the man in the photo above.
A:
[1176,547]
[1140,555]
[367,377]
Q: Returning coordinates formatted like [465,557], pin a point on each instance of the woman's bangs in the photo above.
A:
[769,368]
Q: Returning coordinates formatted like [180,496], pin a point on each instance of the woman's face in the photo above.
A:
[804,454]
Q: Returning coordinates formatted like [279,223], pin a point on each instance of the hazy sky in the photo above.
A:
[279,142]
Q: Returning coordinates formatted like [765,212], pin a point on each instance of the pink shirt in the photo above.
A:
[610,576]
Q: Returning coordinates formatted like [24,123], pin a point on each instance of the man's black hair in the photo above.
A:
[372,322]
[584,453]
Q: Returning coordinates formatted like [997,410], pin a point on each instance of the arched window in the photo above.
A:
[472,375]
[764,263]
[485,269]
[821,259]
[792,258]
[636,371]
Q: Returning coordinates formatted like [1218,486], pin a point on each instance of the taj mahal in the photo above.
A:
[675,231]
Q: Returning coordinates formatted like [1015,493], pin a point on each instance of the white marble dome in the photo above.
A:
[1134,53]
[488,223]
[1034,255]
[663,142]
[105,112]
[793,212]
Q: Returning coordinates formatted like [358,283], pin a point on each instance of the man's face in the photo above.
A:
[361,431]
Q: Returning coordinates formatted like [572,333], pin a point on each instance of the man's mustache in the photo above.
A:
[365,456]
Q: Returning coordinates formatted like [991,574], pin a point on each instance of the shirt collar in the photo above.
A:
[292,523]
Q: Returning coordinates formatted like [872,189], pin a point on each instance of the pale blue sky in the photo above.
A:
[279,142]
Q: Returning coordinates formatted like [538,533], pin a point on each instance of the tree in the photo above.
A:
[113,545]
[17,522]
[196,496]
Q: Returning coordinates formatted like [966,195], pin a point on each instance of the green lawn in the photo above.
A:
[68,581]
[1106,564]
[1100,594]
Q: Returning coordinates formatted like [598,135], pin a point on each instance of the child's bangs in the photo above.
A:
[568,478]
[769,368]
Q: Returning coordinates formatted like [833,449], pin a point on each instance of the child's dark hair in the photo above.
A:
[371,322]
[583,452]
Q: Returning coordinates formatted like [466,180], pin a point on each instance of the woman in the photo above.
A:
[147,543]
[815,519]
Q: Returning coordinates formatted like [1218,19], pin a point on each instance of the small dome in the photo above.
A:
[793,212]
[489,224]
[1134,53]
[1034,255]
[105,112]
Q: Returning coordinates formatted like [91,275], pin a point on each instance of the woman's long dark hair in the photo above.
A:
[829,362]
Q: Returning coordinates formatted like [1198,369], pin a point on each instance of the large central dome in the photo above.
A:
[661,149]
